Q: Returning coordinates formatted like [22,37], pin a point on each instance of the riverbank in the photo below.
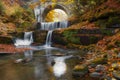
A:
[102,59]
[10,48]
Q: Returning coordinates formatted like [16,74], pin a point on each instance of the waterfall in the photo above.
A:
[53,25]
[28,36]
[38,13]
[49,38]
[28,39]
[50,26]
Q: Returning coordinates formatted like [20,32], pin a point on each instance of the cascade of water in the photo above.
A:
[49,38]
[53,25]
[28,39]
[37,12]
[50,26]
[28,36]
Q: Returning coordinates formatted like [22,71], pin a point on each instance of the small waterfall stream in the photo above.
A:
[49,38]
[51,26]
[28,36]
[28,39]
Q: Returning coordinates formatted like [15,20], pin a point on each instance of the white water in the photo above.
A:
[50,26]
[38,13]
[49,39]
[53,25]
[28,39]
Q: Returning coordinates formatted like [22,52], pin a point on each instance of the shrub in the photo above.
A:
[117,43]
[2,9]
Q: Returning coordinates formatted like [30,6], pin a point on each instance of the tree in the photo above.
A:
[1,8]
[82,6]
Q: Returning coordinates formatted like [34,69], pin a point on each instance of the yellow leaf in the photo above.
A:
[54,1]
[69,1]
[43,1]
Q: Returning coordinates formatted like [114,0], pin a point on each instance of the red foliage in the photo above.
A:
[4,48]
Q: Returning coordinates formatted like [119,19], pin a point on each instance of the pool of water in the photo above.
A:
[46,64]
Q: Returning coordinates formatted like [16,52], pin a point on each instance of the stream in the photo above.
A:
[45,64]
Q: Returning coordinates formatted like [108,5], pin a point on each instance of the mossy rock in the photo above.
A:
[39,36]
[70,36]
[18,35]
[100,61]
[6,40]
[117,43]
[80,68]
[110,46]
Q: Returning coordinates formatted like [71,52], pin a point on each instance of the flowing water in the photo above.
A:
[43,62]
[53,25]
[27,40]
[49,39]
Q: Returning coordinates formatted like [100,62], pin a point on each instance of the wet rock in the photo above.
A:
[100,60]
[117,75]
[100,68]
[5,40]
[108,78]
[18,60]
[79,74]
[58,54]
[39,36]
[80,67]
[119,55]
[27,60]
[23,60]
[115,65]
[96,74]
[91,67]
[80,70]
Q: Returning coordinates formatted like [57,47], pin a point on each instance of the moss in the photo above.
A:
[117,43]
[2,9]
[6,40]
[70,36]
[39,36]
[100,61]
[109,19]
[24,26]
[106,32]
[101,23]
[80,68]
[73,46]
[116,51]
[93,39]
[110,46]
